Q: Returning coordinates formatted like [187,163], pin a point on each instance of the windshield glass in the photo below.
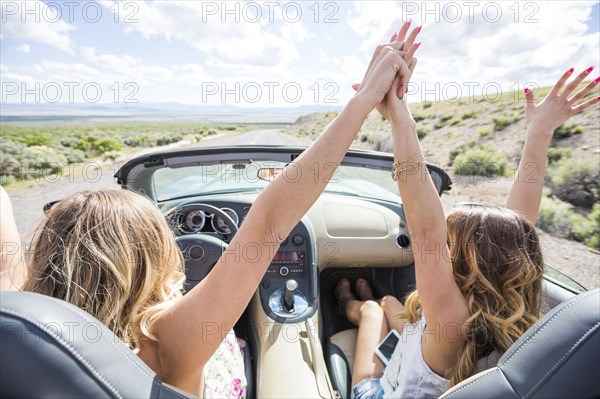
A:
[206,179]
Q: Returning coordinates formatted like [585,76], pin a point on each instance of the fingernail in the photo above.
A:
[417,45]
[597,98]
[419,28]
[571,70]
[394,36]
[597,80]
[526,90]
[590,69]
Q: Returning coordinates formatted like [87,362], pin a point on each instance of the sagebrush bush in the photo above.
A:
[455,121]
[503,122]
[576,181]
[565,130]
[107,144]
[484,132]
[470,115]
[481,161]
[427,104]
[556,154]
[456,151]
[40,161]
[557,218]
[419,117]
[445,118]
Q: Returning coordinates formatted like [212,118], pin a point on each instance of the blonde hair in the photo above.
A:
[112,254]
[498,266]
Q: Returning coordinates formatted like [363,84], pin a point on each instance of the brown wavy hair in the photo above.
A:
[112,254]
[498,266]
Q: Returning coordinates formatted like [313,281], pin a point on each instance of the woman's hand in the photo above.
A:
[526,191]
[373,77]
[557,108]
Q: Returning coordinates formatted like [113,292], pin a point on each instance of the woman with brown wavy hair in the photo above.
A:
[478,271]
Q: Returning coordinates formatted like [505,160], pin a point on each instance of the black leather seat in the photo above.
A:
[558,357]
[50,348]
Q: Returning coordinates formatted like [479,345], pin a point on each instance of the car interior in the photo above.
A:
[298,343]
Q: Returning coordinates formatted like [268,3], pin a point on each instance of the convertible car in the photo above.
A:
[298,346]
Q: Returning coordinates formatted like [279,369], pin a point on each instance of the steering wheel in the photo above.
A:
[201,251]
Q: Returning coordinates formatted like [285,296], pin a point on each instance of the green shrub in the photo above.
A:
[556,154]
[73,156]
[566,130]
[577,181]
[427,104]
[10,157]
[364,137]
[439,125]
[503,122]
[38,139]
[557,218]
[470,115]
[481,161]
[422,132]
[461,149]
[211,132]
[445,118]
[419,117]
[85,143]
[484,132]
[455,121]
[107,144]
[39,161]
[165,140]
[588,231]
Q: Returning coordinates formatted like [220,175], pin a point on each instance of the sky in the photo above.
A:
[281,53]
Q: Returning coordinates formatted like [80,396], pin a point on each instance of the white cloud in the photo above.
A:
[23,48]
[527,42]
[247,41]
[35,21]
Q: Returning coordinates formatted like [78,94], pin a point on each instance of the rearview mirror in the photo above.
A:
[269,174]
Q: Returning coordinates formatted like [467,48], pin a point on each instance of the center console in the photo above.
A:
[288,291]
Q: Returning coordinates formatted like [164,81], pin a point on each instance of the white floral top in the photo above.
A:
[224,376]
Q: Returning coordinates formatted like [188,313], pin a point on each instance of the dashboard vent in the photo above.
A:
[403,241]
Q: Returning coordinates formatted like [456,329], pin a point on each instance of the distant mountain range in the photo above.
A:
[61,112]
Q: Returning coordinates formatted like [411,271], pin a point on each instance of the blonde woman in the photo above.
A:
[478,271]
[112,254]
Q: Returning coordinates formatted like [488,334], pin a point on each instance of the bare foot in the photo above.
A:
[343,295]
[364,291]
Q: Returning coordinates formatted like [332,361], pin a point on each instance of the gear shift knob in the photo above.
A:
[291,286]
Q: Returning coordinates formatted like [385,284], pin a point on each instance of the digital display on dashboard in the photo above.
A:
[285,256]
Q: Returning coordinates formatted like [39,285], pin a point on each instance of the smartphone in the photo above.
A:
[386,348]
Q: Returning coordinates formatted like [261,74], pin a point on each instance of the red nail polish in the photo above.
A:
[597,80]
[590,69]
[597,98]
[419,28]
[571,70]
[526,90]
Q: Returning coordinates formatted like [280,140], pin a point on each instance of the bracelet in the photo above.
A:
[410,168]
[398,163]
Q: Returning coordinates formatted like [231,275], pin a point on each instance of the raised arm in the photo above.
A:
[441,301]
[526,191]
[190,331]
[13,270]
